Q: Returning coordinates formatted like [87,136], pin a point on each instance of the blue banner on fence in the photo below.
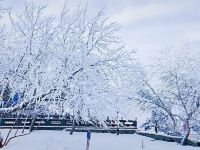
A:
[16,98]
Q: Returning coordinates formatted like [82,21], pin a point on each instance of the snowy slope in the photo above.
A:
[60,140]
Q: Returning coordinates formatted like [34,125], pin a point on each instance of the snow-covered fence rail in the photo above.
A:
[169,138]
[59,123]
[123,123]
[39,123]
[194,136]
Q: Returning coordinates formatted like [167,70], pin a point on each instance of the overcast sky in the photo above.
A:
[147,25]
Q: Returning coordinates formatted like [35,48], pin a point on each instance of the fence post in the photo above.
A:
[33,122]
[88,140]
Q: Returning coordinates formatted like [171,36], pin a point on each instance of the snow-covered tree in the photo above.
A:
[174,89]
[78,64]
[1,8]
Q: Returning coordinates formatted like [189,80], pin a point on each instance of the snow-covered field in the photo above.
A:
[61,140]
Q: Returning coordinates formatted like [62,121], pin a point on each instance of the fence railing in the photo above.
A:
[59,122]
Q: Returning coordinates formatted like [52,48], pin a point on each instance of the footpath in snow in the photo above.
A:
[62,140]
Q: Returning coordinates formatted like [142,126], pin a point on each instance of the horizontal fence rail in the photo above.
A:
[59,123]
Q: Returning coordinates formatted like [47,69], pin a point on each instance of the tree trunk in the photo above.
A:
[185,138]
[73,126]
[25,124]
[33,123]
[16,122]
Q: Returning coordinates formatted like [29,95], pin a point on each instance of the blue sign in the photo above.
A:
[88,135]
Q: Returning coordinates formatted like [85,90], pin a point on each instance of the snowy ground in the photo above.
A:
[61,140]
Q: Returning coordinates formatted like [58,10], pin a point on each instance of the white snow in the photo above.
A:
[61,140]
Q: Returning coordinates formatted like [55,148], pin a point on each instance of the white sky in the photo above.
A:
[147,25]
